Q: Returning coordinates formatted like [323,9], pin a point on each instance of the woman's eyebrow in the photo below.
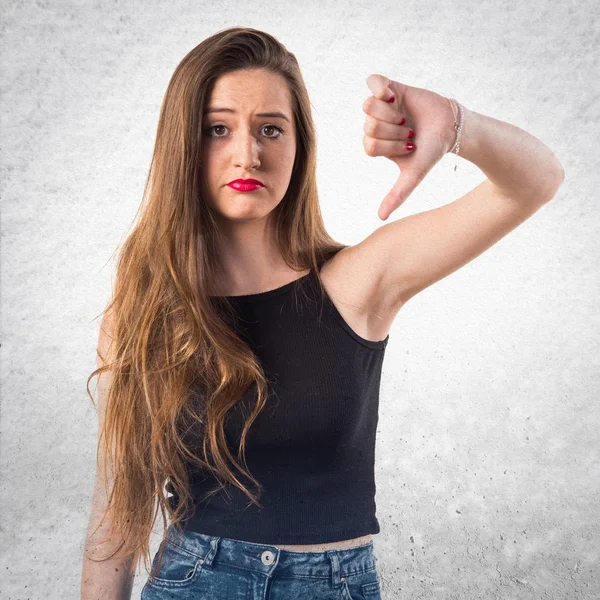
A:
[263,114]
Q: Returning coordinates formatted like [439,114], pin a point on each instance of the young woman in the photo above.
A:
[241,353]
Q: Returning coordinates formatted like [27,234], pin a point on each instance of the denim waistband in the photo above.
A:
[268,559]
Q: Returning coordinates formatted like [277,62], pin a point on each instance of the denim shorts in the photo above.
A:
[207,567]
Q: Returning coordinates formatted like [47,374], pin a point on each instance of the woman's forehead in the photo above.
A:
[261,89]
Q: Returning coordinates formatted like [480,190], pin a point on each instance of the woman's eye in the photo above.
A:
[218,133]
[276,128]
[216,127]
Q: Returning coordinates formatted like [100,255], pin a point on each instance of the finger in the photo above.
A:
[384,88]
[387,131]
[409,179]
[411,175]
[387,148]
[402,189]
[382,110]
[380,87]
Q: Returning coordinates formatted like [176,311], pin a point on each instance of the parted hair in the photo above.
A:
[167,340]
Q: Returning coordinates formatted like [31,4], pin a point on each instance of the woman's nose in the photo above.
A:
[246,151]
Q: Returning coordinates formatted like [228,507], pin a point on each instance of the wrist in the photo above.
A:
[456,129]
[464,135]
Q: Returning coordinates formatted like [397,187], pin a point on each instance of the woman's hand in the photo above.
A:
[426,113]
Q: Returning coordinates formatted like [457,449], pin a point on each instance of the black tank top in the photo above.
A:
[313,445]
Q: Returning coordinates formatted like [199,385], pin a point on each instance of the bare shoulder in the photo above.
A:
[352,281]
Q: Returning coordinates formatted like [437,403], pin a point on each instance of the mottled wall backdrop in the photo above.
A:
[488,449]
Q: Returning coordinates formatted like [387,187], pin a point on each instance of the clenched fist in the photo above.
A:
[416,117]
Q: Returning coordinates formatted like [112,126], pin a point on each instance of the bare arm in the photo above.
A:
[518,165]
[406,256]
[111,579]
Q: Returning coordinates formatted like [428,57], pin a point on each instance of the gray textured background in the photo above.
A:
[487,455]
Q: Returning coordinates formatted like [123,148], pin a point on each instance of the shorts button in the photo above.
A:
[267,557]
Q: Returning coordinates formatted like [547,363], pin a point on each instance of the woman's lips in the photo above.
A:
[245,186]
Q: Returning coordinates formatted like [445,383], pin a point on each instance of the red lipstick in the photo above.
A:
[245,185]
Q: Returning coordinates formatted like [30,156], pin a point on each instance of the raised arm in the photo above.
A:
[410,254]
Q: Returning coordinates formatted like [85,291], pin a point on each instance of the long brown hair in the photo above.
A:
[171,340]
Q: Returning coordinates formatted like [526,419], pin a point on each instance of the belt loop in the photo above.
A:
[210,555]
[336,581]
